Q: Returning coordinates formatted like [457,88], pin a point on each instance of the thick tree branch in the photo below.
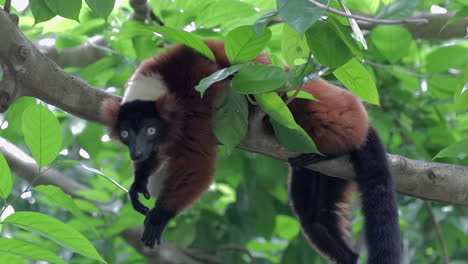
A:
[26,168]
[79,56]
[40,77]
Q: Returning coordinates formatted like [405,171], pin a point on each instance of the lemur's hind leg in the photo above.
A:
[320,203]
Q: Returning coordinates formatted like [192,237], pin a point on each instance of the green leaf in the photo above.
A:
[5,178]
[242,44]
[264,218]
[186,38]
[344,34]
[65,8]
[356,78]
[128,218]
[337,5]
[443,58]
[55,230]
[301,95]
[259,78]
[64,200]
[454,150]
[274,106]
[101,7]
[299,14]
[261,23]
[184,233]
[28,250]
[15,111]
[295,139]
[231,118]
[328,48]
[42,134]
[225,14]
[95,195]
[286,227]
[393,42]
[354,25]
[40,11]
[10,259]
[290,44]
[460,98]
[459,15]
[217,76]
[398,9]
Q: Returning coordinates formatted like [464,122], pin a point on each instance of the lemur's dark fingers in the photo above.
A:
[137,205]
[155,223]
[152,235]
[146,194]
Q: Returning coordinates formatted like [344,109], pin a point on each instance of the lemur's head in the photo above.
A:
[137,121]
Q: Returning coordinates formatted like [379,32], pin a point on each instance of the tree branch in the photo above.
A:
[431,30]
[78,56]
[369,19]
[143,12]
[40,77]
[7,6]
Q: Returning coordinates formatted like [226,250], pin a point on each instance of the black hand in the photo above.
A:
[155,222]
[134,191]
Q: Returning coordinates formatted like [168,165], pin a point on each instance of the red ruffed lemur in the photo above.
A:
[168,128]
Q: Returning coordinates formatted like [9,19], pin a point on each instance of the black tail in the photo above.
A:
[378,201]
[320,203]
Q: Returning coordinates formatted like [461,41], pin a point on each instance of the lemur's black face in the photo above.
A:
[140,128]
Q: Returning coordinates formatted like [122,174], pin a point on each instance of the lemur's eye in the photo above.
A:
[124,134]
[151,131]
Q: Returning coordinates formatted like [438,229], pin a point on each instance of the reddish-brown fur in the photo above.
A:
[337,122]
[109,112]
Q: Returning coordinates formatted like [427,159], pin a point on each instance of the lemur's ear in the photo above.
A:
[109,112]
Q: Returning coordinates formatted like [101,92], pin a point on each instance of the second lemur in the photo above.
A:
[168,128]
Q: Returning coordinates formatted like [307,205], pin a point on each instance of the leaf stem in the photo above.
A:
[290,99]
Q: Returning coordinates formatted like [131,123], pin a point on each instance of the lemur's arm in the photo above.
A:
[142,172]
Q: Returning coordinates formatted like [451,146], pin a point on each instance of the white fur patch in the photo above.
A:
[156,180]
[148,86]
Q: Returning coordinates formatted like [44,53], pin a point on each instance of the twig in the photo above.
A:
[143,11]
[229,247]
[440,236]
[290,99]
[7,6]
[156,18]
[370,19]
[204,258]
[250,99]
[409,73]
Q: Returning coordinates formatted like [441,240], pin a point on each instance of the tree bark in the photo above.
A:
[34,74]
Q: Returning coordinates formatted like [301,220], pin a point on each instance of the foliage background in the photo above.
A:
[244,217]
